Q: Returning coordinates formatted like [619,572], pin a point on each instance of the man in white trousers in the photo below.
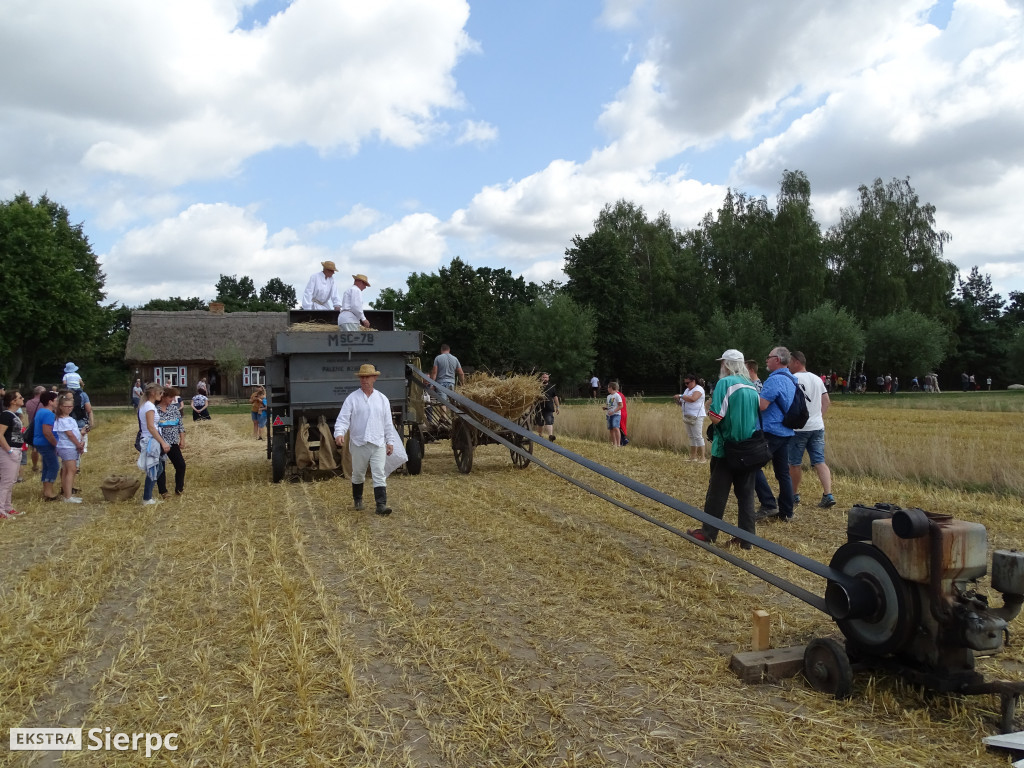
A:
[365,418]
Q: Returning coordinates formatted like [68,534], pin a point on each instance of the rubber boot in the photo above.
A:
[380,495]
[357,495]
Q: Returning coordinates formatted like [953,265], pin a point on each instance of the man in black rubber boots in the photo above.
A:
[366,418]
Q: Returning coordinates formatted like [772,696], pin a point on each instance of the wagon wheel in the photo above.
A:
[279,459]
[519,461]
[462,446]
[827,668]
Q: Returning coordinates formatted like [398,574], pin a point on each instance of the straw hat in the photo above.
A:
[364,278]
[367,370]
[329,265]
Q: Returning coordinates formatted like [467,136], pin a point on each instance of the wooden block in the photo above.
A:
[762,628]
[761,666]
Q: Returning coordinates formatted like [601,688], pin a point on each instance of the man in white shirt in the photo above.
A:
[365,417]
[321,290]
[811,437]
[352,317]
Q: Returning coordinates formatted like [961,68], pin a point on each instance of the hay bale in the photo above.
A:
[319,327]
[509,396]
[119,487]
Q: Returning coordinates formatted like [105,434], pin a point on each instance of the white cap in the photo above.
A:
[733,355]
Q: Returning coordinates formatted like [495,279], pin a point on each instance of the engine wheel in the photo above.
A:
[827,668]
[414,448]
[898,612]
[462,446]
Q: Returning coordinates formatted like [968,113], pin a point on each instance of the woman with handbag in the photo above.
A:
[739,448]
[692,401]
[152,445]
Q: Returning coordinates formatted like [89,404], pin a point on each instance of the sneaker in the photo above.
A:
[698,534]
[764,512]
[796,499]
[7,515]
[73,500]
[147,502]
[827,501]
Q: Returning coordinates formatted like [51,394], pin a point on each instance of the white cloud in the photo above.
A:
[412,242]
[176,91]
[358,218]
[186,254]
[477,132]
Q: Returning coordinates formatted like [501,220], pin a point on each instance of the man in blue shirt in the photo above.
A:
[775,398]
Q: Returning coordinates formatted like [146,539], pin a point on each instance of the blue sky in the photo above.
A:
[208,137]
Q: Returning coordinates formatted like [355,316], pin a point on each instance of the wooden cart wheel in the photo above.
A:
[462,446]
[519,461]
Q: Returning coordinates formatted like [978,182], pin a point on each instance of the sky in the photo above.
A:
[195,138]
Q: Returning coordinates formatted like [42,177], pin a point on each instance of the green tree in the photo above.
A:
[236,294]
[468,308]
[743,329]
[175,304]
[980,338]
[905,344]
[830,337]
[558,337]
[642,283]
[53,287]
[887,253]
[277,296]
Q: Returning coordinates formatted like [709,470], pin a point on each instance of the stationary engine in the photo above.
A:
[914,607]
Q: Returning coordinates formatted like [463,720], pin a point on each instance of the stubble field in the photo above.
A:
[501,618]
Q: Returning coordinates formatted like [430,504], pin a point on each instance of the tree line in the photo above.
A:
[643,302]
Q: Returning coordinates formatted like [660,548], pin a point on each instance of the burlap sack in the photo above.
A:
[303,455]
[119,487]
[328,453]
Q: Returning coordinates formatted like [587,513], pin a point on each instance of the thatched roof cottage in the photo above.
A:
[180,348]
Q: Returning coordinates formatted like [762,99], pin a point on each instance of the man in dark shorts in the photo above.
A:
[547,408]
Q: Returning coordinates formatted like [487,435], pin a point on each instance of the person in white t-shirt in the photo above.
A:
[692,402]
[72,379]
[613,413]
[595,386]
[810,438]
[352,317]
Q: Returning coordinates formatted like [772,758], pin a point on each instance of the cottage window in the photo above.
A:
[172,376]
[254,376]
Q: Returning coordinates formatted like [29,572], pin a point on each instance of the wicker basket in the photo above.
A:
[119,487]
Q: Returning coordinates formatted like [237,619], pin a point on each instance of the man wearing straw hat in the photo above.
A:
[366,418]
[321,290]
[352,317]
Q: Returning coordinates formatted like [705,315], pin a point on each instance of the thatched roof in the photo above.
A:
[199,335]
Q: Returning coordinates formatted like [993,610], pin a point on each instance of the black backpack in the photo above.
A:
[797,415]
[78,412]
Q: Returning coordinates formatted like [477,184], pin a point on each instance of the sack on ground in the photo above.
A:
[748,454]
[328,453]
[119,487]
[303,455]
[397,458]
